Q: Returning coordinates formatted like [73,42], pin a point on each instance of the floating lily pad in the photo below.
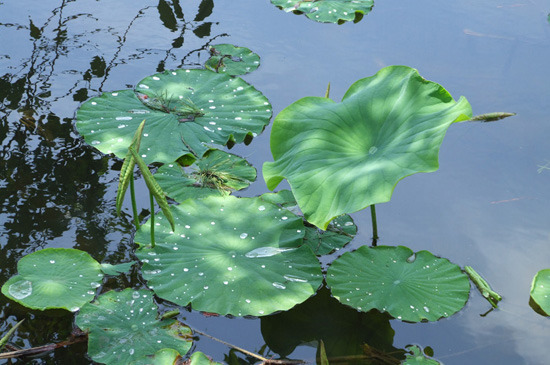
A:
[186,112]
[230,255]
[217,173]
[339,232]
[411,287]
[540,290]
[54,278]
[416,357]
[342,157]
[328,11]
[117,269]
[123,326]
[232,60]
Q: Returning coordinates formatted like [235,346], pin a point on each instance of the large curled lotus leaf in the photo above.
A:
[342,157]
[328,11]
[410,287]
[339,232]
[217,173]
[51,278]
[123,327]
[540,290]
[229,255]
[186,112]
[232,60]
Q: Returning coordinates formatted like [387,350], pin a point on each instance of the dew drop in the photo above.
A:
[21,289]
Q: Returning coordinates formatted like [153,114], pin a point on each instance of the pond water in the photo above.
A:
[487,206]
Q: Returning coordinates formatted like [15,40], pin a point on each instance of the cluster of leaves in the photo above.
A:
[253,256]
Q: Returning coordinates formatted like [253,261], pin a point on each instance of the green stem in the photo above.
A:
[134,205]
[374,225]
[152,220]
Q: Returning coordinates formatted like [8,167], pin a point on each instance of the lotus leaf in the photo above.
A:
[342,157]
[328,11]
[540,290]
[55,278]
[232,60]
[411,287]
[186,111]
[123,326]
[230,255]
[217,173]
[339,232]
[416,357]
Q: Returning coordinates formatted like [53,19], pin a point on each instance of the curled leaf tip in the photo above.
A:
[491,117]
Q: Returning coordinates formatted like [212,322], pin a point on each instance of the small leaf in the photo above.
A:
[327,11]
[540,290]
[483,286]
[198,358]
[115,270]
[153,187]
[54,278]
[232,60]
[416,357]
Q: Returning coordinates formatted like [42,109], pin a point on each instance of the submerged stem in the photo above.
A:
[374,225]
[152,220]
[134,205]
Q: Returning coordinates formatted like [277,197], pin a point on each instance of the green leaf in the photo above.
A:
[342,157]
[417,357]
[328,11]
[214,109]
[230,255]
[411,287]
[122,326]
[54,278]
[339,232]
[115,270]
[217,173]
[483,287]
[540,290]
[198,358]
[161,357]
[232,60]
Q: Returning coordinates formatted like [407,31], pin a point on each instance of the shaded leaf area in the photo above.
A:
[123,326]
[343,330]
[186,112]
[54,278]
[540,292]
[409,286]
[417,357]
[117,269]
[339,232]
[230,255]
[232,60]
[328,11]
[342,157]
[217,173]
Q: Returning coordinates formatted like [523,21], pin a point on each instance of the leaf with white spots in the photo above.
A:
[217,173]
[410,287]
[328,11]
[342,157]
[186,112]
[229,255]
[123,327]
[55,278]
[540,290]
[232,60]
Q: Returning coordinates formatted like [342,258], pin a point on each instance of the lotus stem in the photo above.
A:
[152,219]
[374,225]
[134,205]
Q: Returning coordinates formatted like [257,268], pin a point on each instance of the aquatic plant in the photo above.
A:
[540,291]
[327,11]
[232,60]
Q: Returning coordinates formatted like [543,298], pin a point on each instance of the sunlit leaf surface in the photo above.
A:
[230,255]
[342,157]
[55,278]
[328,11]
[540,290]
[411,287]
